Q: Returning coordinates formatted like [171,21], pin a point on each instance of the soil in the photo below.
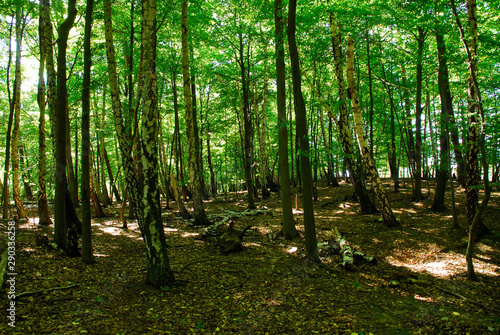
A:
[417,286]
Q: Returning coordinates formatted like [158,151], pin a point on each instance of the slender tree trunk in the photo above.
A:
[110,175]
[213,183]
[446,106]
[262,131]
[345,131]
[5,188]
[43,206]
[303,140]
[475,141]
[247,125]
[289,230]
[61,225]
[25,175]
[471,193]
[417,190]
[198,143]
[370,85]
[200,216]
[71,178]
[87,251]
[20,24]
[387,214]
[144,193]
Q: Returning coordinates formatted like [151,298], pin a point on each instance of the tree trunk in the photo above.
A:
[87,251]
[200,217]
[198,143]
[417,175]
[303,140]
[446,106]
[5,188]
[247,125]
[343,123]
[71,178]
[144,193]
[471,193]
[61,224]
[213,183]
[20,24]
[387,214]
[289,230]
[43,206]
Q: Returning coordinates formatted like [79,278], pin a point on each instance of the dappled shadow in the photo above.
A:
[417,286]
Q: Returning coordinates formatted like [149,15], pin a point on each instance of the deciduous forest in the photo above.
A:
[250,167]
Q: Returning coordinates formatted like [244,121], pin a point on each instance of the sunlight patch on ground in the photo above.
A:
[33,221]
[439,264]
[190,234]
[111,230]
[428,299]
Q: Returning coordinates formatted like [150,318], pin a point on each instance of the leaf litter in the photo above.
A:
[418,285]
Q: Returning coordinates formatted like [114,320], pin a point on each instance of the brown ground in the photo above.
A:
[415,288]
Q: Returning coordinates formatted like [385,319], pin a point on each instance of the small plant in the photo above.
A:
[199,325]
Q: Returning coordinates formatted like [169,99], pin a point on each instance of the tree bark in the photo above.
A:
[16,192]
[446,106]
[289,230]
[417,175]
[387,214]
[303,140]
[200,217]
[61,224]
[43,206]
[343,124]
[5,188]
[144,193]
[247,126]
[87,251]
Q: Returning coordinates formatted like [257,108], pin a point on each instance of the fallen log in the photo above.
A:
[345,251]
[343,248]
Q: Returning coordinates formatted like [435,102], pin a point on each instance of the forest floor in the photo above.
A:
[418,285]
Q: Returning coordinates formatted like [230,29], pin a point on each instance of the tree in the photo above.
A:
[387,214]
[289,230]
[87,253]
[144,191]
[417,190]
[195,172]
[446,106]
[303,140]
[20,24]
[344,126]
[64,233]
[43,208]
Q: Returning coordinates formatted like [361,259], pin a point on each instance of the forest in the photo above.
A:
[250,167]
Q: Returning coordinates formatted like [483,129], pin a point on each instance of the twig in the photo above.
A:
[30,293]
[458,295]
